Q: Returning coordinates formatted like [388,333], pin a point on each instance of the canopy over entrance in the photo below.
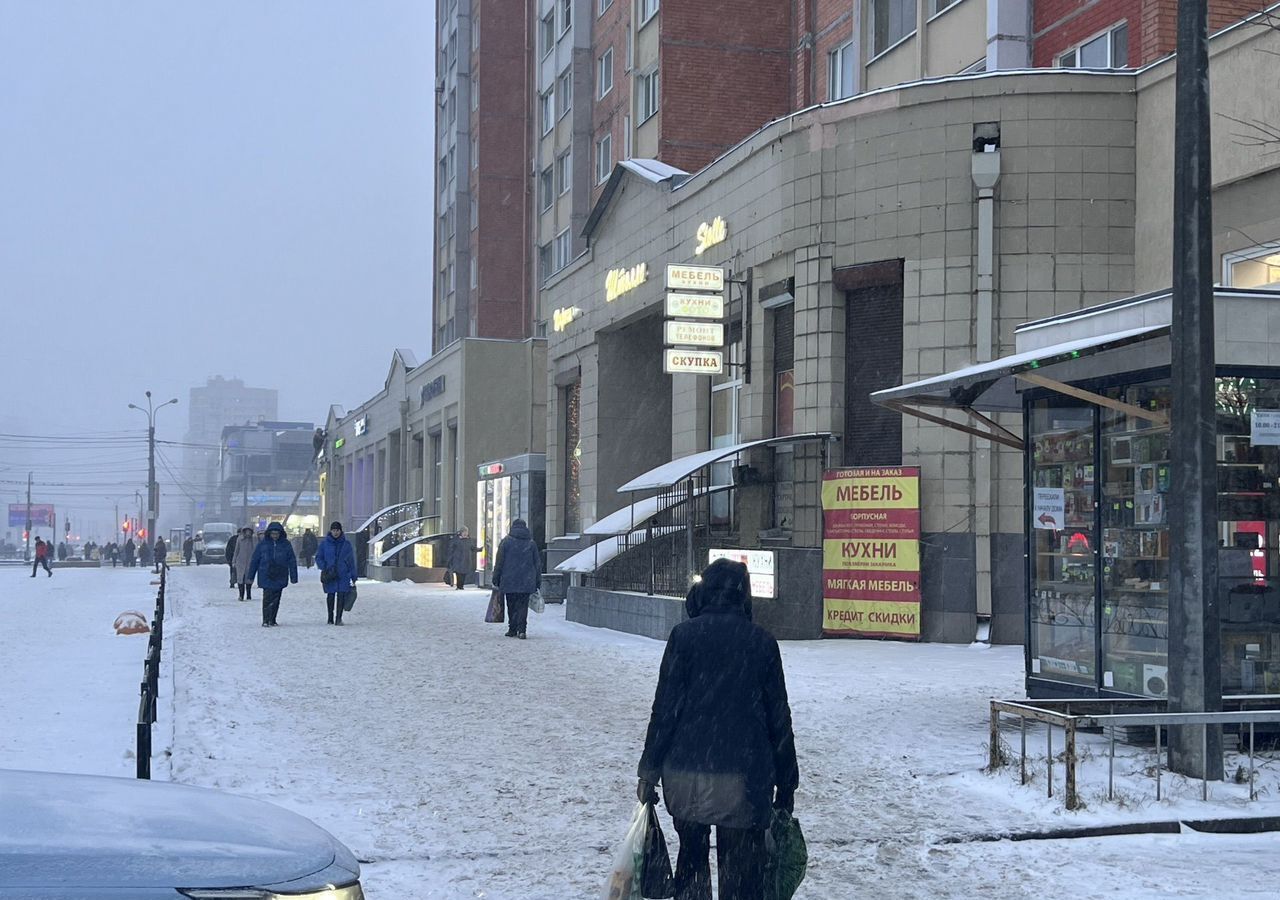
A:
[672,473]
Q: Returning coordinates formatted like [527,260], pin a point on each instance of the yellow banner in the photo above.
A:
[871,555]
[886,492]
[871,617]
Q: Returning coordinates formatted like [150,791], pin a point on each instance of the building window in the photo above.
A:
[546,108]
[564,248]
[566,15]
[604,158]
[725,390]
[1109,50]
[546,189]
[604,4]
[647,101]
[475,92]
[564,90]
[475,152]
[648,8]
[893,20]
[475,32]
[1255,268]
[938,6]
[437,474]
[547,29]
[475,275]
[544,262]
[564,172]
[626,137]
[604,73]
[572,457]
[840,72]
[475,211]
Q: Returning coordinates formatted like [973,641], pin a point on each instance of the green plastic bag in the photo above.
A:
[788,857]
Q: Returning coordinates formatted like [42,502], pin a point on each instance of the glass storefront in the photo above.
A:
[1098,567]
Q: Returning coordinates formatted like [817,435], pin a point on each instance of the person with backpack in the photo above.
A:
[276,567]
[720,738]
[336,559]
[517,572]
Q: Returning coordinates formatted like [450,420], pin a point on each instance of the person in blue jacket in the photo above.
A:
[336,560]
[276,567]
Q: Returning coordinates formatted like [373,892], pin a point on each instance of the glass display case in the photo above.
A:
[1099,479]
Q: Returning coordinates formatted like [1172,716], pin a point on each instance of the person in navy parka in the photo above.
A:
[276,567]
[336,560]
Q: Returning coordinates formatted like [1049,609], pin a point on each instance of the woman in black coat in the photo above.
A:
[460,559]
[720,738]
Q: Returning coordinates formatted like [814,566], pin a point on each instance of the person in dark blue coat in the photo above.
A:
[276,567]
[336,560]
[720,738]
[517,572]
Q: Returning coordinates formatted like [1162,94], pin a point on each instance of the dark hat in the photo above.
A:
[333,525]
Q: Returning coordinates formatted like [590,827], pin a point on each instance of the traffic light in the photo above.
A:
[26,535]
[125,526]
[142,533]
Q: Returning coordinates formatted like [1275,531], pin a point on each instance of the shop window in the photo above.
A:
[726,389]
[1063,570]
[784,358]
[604,73]
[892,21]
[1256,268]
[840,72]
[572,402]
[1109,50]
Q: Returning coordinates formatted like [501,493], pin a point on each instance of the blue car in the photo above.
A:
[84,837]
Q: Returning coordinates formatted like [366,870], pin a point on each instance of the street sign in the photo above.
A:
[692,362]
[695,278]
[695,306]
[695,334]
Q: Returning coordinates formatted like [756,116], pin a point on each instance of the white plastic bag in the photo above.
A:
[536,603]
[624,877]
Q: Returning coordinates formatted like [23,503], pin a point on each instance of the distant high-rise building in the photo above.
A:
[219,403]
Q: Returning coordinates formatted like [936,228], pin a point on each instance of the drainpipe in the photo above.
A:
[986,174]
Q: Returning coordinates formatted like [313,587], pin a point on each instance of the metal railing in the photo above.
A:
[150,689]
[1088,714]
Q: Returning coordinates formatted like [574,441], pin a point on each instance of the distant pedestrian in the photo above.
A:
[229,554]
[186,551]
[276,567]
[336,559]
[197,547]
[113,551]
[720,738]
[518,573]
[42,558]
[309,547]
[144,553]
[62,551]
[162,551]
[129,551]
[241,558]
[461,557]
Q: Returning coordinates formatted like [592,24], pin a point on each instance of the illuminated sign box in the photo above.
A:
[759,565]
[695,278]
[692,362]
[695,306]
[619,281]
[709,234]
[697,334]
[362,425]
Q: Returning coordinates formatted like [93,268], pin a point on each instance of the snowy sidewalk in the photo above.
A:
[461,764]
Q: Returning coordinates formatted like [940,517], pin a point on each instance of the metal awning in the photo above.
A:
[418,539]
[584,562]
[996,386]
[672,473]
[632,517]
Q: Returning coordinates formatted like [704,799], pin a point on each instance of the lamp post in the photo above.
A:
[153,493]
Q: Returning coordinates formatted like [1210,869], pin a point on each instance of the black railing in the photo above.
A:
[151,681]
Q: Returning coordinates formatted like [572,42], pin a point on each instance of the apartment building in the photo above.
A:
[482,202]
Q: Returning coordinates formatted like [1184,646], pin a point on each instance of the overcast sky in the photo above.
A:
[207,187]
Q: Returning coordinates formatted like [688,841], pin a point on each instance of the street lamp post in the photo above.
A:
[153,492]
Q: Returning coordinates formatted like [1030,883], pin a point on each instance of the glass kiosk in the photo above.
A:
[508,489]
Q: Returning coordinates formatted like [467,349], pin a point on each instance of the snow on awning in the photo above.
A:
[632,517]
[672,473]
[584,562]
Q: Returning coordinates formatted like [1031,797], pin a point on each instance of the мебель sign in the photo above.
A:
[695,278]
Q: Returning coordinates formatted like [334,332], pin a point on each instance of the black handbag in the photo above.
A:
[328,574]
[350,600]
[655,867]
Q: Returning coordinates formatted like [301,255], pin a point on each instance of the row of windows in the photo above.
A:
[548,33]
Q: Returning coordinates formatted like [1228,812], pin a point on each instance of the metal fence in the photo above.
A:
[1102,714]
[151,681]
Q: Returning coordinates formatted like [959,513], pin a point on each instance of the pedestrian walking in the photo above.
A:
[113,551]
[241,559]
[62,551]
[42,558]
[197,547]
[461,557]
[129,551]
[229,554]
[276,567]
[144,553]
[336,559]
[720,738]
[518,573]
[309,546]
[162,552]
[186,551]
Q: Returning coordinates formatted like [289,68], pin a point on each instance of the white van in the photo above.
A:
[216,535]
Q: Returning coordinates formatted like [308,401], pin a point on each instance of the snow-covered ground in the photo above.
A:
[459,764]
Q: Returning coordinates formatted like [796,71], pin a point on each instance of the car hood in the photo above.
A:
[77,830]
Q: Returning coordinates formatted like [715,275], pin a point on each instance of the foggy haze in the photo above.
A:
[190,189]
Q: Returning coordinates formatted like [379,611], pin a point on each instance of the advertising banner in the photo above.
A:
[41,514]
[695,278]
[871,552]
[694,362]
[695,334]
[759,565]
[695,306]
